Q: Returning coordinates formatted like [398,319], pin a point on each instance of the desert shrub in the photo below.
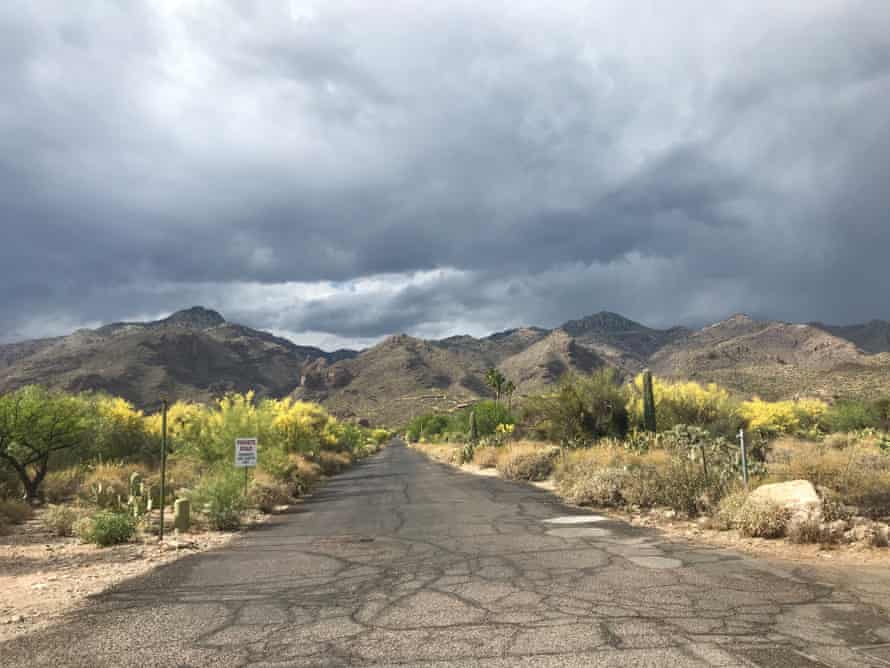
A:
[760,518]
[526,461]
[688,403]
[221,498]
[724,517]
[808,530]
[15,511]
[107,484]
[858,473]
[686,488]
[10,485]
[267,494]
[429,426]
[489,414]
[183,472]
[106,528]
[60,520]
[594,487]
[120,432]
[775,418]
[582,410]
[62,485]
[700,468]
[880,537]
[486,457]
[645,484]
[304,473]
[851,415]
[332,463]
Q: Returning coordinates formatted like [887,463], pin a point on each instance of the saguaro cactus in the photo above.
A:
[474,430]
[135,484]
[649,422]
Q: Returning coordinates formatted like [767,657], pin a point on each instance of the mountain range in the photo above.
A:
[196,354]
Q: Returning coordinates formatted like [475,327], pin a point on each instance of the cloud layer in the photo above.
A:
[338,171]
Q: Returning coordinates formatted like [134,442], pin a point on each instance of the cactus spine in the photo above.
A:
[649,422]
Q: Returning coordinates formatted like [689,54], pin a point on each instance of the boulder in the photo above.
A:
[798,497]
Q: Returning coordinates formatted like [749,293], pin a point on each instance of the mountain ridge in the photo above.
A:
[197,354]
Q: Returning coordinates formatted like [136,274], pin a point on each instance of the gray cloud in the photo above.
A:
[324,160]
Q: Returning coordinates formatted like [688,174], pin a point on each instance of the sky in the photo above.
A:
[337,171]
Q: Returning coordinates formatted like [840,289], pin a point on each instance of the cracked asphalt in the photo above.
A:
[407,561]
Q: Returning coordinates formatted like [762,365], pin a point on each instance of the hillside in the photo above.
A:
[196,354]
[193,354]
[774,359]
[871,337]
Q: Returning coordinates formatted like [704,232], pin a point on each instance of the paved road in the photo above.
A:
[405,561]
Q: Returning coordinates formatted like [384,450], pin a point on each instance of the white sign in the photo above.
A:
[245,452]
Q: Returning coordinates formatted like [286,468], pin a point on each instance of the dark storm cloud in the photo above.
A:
[306,167]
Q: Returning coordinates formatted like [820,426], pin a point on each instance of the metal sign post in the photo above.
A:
[245,456]
[163,465]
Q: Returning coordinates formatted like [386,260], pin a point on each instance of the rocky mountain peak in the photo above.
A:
[196,317]
[604,321]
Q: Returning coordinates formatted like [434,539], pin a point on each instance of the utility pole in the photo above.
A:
[163,464]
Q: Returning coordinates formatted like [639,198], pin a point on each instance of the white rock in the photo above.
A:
[799,497]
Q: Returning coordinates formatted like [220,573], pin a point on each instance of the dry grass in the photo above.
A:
[267,494]
[332,463]
[60,486]
[486,457]
[305,473]
[13,511]
[857,471]
[450,453]
[610,475]
[109,481]
[526,460]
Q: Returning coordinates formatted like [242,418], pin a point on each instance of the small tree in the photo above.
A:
[580,411]
[509,389]
[496,381]
[34,424]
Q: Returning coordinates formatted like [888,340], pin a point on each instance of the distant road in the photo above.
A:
[405,561]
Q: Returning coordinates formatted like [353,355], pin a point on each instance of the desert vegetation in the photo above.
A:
[652,443]
[91,463]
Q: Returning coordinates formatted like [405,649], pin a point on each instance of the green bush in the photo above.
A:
[221,498]
[106,528]
[852,415]
[526,461]
[60,520]
[582,410]
[15,512]
[759,518]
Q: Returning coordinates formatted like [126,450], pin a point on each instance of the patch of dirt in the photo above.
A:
[43,576]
